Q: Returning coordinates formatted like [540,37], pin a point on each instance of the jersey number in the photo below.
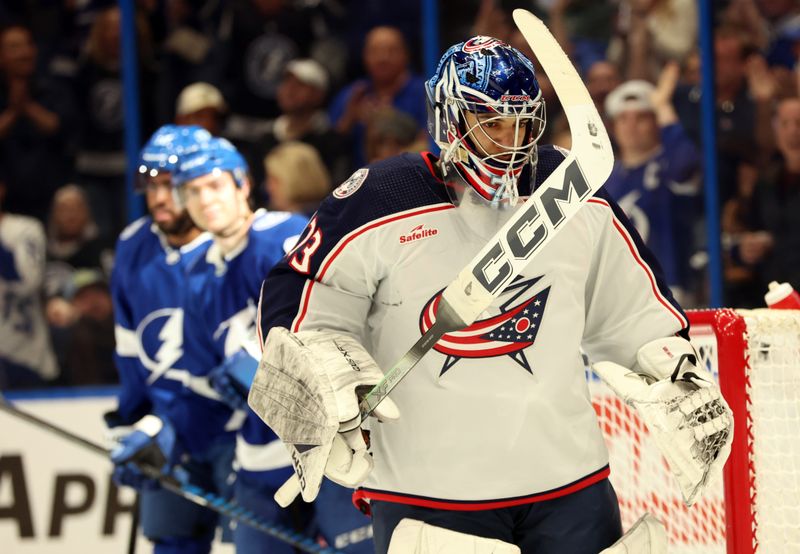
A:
[300,259]
[18,312]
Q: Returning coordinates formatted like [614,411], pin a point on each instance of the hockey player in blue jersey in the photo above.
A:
[221,326]
[166,401]
[490,443]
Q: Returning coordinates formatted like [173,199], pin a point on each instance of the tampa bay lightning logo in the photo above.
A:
[160,341]
[506,333]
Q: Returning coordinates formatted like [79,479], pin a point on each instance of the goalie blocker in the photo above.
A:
[306,389]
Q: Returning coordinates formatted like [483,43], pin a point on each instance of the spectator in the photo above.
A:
[493,21]
[653,32]
[297,180]
[583,28]
[187,32]
[201,104]
[601,78]
[101,164]
[737,112]
[741,284]
[84,331]
[773,245]
[691,70]
[301,98]
[389,82]
[391,132]
[73,240]
[360,17]
[771,24]
[265,35]
[654,179]
[26,358]
[34,119]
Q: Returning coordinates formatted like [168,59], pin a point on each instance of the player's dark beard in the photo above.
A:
[183,224]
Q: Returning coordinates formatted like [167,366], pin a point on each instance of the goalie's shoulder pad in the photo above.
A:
[670,357]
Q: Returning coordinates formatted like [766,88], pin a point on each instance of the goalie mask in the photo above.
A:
[486,113]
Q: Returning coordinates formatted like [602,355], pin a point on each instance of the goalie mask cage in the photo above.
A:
[756,508]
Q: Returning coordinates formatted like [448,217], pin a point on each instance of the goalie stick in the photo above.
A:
[533,225]
[192,493]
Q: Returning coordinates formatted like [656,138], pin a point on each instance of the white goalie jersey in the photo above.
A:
[498,413]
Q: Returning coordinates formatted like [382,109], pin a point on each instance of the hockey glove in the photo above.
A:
[682,407]
[306,389]
[148,451]
[233,377]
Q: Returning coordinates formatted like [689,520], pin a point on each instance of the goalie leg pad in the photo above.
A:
[412,536]
[647,536]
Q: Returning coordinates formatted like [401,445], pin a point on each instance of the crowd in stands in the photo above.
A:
[309,91]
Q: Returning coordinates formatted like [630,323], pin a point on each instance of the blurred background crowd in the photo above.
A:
[310,90]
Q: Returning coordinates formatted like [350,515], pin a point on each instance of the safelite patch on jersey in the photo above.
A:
[352,184]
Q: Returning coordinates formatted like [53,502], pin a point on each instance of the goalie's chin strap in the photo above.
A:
[212,501]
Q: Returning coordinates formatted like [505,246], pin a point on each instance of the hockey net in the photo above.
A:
[756,508]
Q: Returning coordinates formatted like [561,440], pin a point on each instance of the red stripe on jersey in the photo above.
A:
[477,328]
[326,264]
[428,158]
[303,305]
[635,253]
[485,353]
[361,496]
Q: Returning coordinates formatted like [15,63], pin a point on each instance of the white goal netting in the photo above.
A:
[757,509]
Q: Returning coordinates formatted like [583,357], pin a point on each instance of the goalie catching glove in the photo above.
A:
[682,407]
[307,389]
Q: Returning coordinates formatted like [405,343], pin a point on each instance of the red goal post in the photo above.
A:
[756,356]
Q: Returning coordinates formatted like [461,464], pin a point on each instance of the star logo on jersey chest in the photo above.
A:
[508,332]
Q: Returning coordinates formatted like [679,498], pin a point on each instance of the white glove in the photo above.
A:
[682,407]
[307,388]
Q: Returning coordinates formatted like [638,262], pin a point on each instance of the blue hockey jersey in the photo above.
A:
[158,372]
[221,316]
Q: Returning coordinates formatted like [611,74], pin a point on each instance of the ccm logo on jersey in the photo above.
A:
[417,233]
[526,235]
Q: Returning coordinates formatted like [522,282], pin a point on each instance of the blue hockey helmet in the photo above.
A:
[496,84]
[161,152]
[213,156]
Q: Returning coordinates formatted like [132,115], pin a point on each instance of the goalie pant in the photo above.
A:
[220,312]
[373,262]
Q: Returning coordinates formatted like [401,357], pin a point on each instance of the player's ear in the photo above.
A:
[246,186]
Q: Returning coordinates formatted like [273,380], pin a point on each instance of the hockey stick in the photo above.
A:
[533,225]
[192,493]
